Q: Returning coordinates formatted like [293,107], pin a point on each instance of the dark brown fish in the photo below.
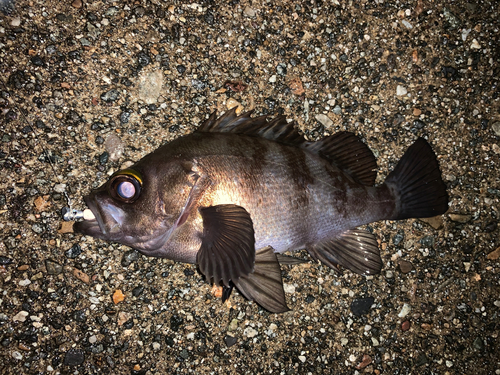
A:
[239,191]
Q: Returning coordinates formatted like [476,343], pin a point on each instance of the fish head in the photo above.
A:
[130,209]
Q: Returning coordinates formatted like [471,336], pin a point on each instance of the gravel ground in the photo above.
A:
[100,84]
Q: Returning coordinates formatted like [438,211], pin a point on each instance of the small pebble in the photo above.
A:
[405,326]
[405,310]
[230,340]
[17,355]
[459,218]
[494,255]
[496,128]
[74,357]
[20,316]
[73,252]
[25,282]
[361,306]
[118,296]
[324,120]
[77,4]
[365,361]
[405,266]
[80,275]
[15,22]
[249,12]
[401,90]
[475,44]
[250,332]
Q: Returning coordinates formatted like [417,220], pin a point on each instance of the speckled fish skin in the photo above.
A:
[296,198]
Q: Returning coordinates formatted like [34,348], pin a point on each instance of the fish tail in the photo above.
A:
[417,184]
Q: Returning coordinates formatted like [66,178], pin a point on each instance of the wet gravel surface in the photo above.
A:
[100,84]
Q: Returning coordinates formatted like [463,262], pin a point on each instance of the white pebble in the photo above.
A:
[156,346]
[20,316]
[302,358]
[401,90]
[17,355]
[405,310]
[289,288]
[25,282]
[324,120]
[250,332]
[16,21]
[273,78]
[407,24]
[60,188]
[475,44]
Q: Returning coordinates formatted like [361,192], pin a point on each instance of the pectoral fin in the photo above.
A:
[227,249]
[354,249]
[264,284]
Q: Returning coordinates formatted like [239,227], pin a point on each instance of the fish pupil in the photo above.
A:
[126,190]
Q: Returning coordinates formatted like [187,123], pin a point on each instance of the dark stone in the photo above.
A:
[37,60]
[428,241]
[74,357]
[137,291]
[421,360]
[398,237]
[103,158]
[74,251]
[80,316]
[230,340]
[176,322]
[181,69]
[361,306]
[310,298]
[143,59]
[125,117]
[281,69]
[4,261]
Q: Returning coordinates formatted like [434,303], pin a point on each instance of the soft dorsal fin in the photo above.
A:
[278,129]
[346,151]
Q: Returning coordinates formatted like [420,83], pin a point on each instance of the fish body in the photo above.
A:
[240,190]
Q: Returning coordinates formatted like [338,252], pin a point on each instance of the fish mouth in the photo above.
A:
[94,222]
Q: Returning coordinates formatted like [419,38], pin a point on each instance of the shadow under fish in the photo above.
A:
[240,191]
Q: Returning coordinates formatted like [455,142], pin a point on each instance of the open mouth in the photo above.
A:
[92,223]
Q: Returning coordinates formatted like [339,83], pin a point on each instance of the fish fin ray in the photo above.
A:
[417,182]
[264,285]
[278,129]
[346,151]
[355,249]
[228,243]
[287,260]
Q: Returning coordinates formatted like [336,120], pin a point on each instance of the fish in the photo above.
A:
[236,194]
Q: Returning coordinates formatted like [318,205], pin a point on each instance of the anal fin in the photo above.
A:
[264,284]
[355,249]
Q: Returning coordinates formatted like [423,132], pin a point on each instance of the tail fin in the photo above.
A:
[417,182]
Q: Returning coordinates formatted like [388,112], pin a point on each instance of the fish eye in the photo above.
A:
[125,187]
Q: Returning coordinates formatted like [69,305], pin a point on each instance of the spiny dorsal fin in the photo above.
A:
[347,152]
[278,129]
